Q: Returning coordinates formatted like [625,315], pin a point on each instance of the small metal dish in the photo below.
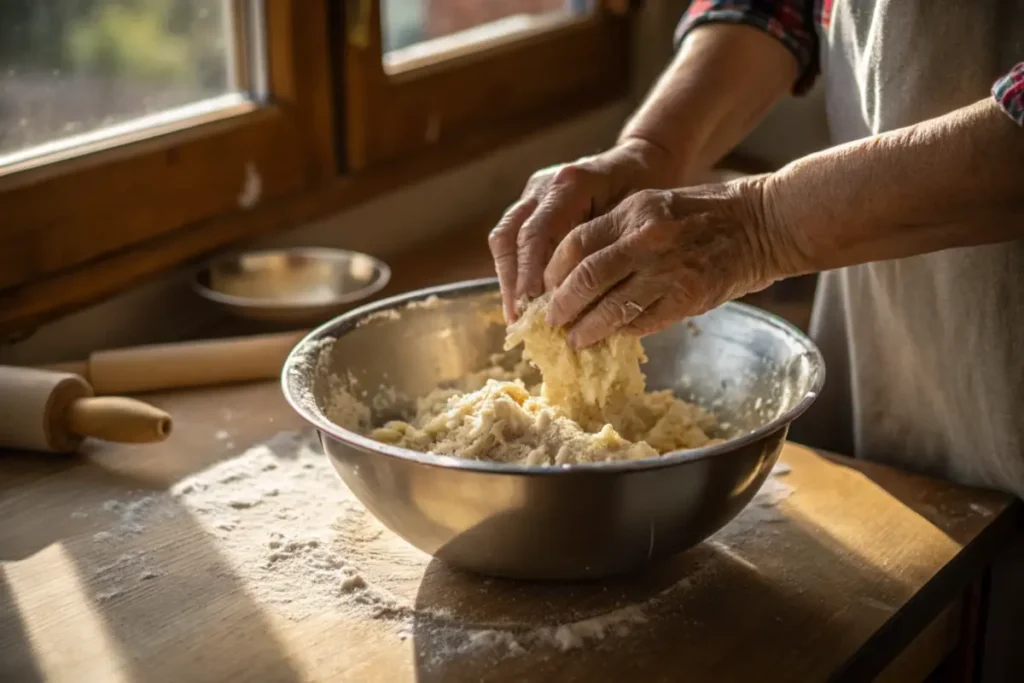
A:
[304,285]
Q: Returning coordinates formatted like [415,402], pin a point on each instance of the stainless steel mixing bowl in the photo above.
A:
[756,372]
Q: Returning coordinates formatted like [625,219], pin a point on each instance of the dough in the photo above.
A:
[591,406]
[594,386]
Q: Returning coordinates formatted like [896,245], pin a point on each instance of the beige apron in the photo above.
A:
[925,355]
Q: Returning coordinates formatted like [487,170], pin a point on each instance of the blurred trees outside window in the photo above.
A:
[407,22]
[74,66]
[69,67]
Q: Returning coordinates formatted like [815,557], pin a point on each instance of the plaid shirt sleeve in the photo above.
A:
[791,22]
[1008,91]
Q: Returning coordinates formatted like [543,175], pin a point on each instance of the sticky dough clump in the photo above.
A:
[590,407]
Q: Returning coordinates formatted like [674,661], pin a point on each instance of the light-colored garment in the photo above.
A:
[925,355]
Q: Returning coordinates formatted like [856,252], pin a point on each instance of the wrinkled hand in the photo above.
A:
[663,255]
[559,198]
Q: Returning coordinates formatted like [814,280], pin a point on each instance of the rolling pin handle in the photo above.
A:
[115,418]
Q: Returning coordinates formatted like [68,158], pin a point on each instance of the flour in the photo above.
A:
[302,545]
[311,359]
[387,314]
[342,407]
[115,577]
[130,514]
[431,302]
[981,510]
[485,310]
[123,560]
[763,509]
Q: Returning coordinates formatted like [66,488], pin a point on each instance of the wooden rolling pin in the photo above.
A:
[185,364]
[54,411]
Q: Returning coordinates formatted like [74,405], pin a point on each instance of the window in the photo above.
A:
[72,73]
[136,120]
[136,135]
[421,73]
[418,30]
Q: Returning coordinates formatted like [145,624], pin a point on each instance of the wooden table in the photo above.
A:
[867,572]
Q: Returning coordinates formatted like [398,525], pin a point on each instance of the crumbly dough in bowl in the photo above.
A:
[591,406]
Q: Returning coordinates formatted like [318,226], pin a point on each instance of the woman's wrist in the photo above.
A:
[952,181]
[781,248]
[666,167]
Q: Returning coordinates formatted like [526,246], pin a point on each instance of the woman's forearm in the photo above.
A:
[953,181]
[723,80]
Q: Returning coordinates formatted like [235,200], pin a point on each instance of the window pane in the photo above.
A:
[76,67]
[410,23]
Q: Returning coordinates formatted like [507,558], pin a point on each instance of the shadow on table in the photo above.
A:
[990,528]
[715,612]
[962,513]
[176,612]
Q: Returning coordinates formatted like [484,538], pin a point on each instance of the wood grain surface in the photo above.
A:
[862,560]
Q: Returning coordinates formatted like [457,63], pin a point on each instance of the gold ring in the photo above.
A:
[634,306]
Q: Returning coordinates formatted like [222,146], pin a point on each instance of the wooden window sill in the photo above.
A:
[463,254]
[25,307]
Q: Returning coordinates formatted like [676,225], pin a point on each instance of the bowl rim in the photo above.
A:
[325,253]
[350,320]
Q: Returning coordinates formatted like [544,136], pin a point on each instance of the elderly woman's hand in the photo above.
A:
[662,255]
[558,199]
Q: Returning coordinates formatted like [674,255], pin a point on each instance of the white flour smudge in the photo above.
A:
[302,543]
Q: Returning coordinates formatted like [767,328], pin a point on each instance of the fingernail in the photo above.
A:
[521,302]
[509,309]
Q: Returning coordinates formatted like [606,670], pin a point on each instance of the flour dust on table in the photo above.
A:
[303,545]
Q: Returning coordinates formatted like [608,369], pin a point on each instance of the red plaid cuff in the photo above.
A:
[1008,91]
[791,22]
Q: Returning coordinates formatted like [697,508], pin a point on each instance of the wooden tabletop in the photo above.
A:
[828,581]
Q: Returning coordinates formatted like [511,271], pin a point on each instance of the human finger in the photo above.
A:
[582,241]
[589,282]
[619,307]
[575,285]
[655,318]
[567,203]
[503,245]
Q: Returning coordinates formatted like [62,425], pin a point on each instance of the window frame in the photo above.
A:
[577,65]
[108,197]
[83,228]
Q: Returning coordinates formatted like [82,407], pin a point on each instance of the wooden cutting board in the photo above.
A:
[860,561]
